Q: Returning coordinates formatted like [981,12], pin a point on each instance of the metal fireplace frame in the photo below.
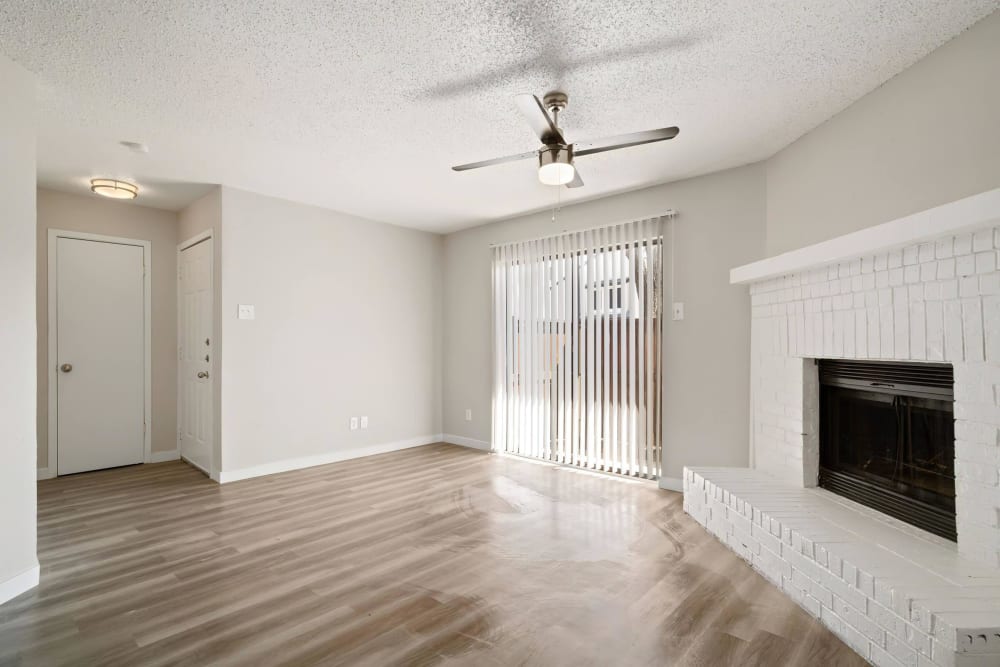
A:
[899,379]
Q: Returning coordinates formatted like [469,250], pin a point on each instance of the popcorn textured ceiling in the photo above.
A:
[363,106]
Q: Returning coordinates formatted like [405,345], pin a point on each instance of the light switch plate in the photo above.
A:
[364,422]
[245,311]
[468,415]
[678,310]
[354,423]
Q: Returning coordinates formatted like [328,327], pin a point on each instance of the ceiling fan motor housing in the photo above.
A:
[555,153]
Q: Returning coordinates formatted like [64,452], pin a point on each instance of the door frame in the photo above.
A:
[147,342]
[200,237]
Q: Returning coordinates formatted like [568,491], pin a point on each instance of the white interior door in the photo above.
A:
[100,377]
[195,338]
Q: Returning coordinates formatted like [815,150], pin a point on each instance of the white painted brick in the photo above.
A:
[910,255]
[918,330]
[882,657]
[953,343]
[968,287]
[934,311]
[991,324]
[989,283]
[895,259]
[946,268]
[982,240]
[986,261]
[901,328]
[925,252]
[965,265]
[928,271]
[972,325]
[885,325]
[962,244]
[944,248]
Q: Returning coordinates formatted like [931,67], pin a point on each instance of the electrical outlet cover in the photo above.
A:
[364,422]
[354,423]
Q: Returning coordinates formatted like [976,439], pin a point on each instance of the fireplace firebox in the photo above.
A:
[887,439]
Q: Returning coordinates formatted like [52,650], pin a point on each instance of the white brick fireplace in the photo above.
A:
[925,288]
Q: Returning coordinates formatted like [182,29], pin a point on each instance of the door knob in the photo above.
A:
[202,374]
[66,368]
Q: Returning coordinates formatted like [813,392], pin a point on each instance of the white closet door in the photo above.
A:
[194,321]
[100,380]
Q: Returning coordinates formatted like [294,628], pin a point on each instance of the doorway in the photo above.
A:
[99,351]
[195,348]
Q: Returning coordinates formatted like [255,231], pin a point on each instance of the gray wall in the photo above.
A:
[347,314]
[92,214]
[929,136]
[707,355]
[17,322]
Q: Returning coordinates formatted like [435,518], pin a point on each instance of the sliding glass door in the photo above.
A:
[577,348]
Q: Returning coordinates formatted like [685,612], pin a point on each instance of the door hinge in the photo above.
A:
[144,427]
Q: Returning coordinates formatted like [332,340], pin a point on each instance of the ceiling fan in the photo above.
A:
[556,157]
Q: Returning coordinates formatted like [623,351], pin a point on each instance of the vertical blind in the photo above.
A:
[577,348]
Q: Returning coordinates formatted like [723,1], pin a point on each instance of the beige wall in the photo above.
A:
[346,325]
[707,355]
[202,215]
[17,324]
[929,136]
[85,213]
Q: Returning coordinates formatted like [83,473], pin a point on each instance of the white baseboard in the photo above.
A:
[45,473]
[285,465]
[672,484]
[18,584]
[160,457]
[467,442]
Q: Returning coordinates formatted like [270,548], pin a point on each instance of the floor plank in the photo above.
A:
[437,555]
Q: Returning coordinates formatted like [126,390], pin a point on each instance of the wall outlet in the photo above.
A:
[244,311]
[468,415]
[364,422]
[678,310]
[354,423]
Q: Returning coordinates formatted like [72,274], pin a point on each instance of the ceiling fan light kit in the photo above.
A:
[556,156]
[555,165]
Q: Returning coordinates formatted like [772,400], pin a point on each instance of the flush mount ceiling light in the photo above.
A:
[108,187]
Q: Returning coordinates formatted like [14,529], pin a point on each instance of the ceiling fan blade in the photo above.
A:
[577,181]
[538,118]
[624,141]
[496,160]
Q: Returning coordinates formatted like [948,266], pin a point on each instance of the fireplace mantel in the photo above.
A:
[981,210]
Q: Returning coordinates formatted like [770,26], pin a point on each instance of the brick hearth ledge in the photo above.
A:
[896,594]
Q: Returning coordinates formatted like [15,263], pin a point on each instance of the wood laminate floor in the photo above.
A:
[433,555]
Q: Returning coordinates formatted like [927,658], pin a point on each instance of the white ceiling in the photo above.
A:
[362,106]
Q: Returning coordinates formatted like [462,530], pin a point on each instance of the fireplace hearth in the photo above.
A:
[887,439]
